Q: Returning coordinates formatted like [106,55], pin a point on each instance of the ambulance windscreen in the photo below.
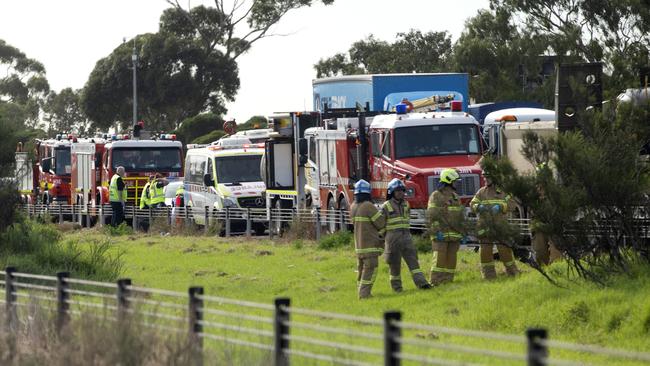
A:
[238,169]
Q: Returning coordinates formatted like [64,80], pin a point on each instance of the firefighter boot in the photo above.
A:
[488,271]
[437,277]
[448,277]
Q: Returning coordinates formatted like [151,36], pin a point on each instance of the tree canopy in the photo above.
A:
[186,68]
[413,51]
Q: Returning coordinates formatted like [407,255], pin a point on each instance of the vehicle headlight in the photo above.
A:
[229,202]
[409,193]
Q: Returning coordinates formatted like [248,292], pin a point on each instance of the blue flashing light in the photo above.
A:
[401,108]
[114,137]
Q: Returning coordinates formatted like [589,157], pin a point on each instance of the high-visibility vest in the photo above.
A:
[114,193]
[156,195]
[144,197]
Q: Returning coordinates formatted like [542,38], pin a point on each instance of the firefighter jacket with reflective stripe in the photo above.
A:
[156,192]
[484,203]
[144,197]
[368,221]
[446,214]
[397,215]
[489,196]
[115,195]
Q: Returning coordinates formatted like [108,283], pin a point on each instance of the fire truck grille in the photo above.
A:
[251,202]
[467,187]
[134,188]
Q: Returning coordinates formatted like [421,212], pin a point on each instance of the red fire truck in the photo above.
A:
[86,160]
[140,159]
[348,146]
[54,167]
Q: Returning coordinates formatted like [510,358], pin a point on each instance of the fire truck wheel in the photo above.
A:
[343,207]
[331,216]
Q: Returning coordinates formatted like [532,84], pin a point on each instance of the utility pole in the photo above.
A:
[134,58]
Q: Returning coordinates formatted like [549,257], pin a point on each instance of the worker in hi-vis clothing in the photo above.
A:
[492,205]
[446,217]
[368,221]
[399,243]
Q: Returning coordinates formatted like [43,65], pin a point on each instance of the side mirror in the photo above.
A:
[302,151]
[46,164]
[207,180]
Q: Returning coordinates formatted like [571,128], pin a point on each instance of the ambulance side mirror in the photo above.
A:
[207,180]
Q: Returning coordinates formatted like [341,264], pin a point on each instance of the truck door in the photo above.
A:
[195,169]
[311,170]
[386,160]
[279,165]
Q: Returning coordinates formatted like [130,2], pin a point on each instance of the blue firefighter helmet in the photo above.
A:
[395,184]
[361,187]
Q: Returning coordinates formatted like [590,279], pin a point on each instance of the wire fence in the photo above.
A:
[230,220]
[287,334]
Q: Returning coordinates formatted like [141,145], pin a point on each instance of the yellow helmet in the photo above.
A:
[449,176]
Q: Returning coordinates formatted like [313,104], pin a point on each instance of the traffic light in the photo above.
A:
[578,87]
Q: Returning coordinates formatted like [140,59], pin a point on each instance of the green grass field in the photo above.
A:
[617,315]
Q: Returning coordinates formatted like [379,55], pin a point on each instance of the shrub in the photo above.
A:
[300,229]
[36,248]
[122,229]
[422,242]
[340,239]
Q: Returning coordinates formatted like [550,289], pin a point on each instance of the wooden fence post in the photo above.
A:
[281,330]
[537,350]
[62,301]
[10,297]
[195,313]
[391,333]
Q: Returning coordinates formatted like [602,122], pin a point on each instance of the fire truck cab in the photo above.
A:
[54,167]
[414,147]
[86,160]
[140,159]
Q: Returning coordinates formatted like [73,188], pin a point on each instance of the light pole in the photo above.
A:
[134,58]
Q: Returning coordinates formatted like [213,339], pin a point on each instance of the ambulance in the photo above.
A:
[225,176]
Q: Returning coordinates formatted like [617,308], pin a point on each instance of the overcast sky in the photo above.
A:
[70,36]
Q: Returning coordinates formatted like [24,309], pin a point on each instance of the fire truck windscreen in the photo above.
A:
[149,159]
[62,165]
[238,169]
[434,140]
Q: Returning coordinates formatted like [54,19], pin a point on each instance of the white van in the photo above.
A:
[225,176]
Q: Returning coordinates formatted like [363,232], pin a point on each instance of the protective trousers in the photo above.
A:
[444,261]
[367,273]
[545,251]
[400,245]
[487,260]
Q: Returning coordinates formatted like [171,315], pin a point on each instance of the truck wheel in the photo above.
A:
[331,217]
[343,207]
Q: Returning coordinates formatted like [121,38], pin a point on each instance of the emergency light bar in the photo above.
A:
[244,146]
[167,136]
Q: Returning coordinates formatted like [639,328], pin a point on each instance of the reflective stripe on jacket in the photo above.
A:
[368,221]
[445,212]
[397,215]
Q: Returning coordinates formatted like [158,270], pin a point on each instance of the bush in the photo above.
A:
[340,239]
[422,242]
[122,229]
[199,125]
[36,248]
[210,137]
[300,229]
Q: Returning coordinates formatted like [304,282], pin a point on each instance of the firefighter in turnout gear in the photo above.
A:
[368,221]
[545,251]
[446,215]
[399,243]
[492,205]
